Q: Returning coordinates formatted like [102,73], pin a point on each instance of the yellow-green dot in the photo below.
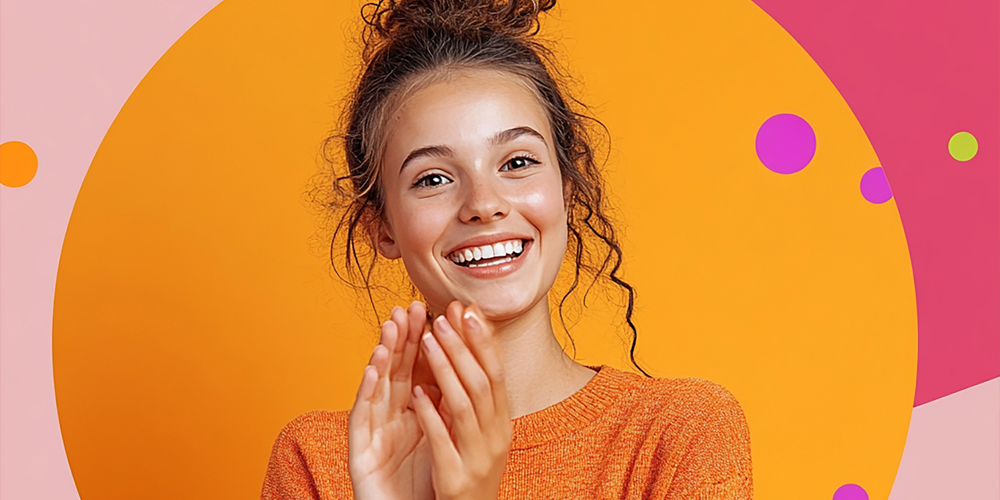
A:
[963,146]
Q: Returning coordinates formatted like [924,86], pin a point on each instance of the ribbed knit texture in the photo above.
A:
[621,436]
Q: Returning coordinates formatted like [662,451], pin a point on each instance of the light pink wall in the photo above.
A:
[66,68]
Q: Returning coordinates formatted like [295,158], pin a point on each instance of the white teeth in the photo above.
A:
[494,251]
[488,264]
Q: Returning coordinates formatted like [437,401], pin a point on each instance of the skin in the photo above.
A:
[432,416]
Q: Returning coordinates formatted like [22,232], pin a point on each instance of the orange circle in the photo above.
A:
[192,320]
[18,164]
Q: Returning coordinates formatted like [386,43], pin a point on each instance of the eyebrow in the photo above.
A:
[510,134]
[428,151]
[497,139]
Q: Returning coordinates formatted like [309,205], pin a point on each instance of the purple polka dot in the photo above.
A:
[850,492]
[786,143]
[875,187]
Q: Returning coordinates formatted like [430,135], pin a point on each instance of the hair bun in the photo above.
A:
[386,20]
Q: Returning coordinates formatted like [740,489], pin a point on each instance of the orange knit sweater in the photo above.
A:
[621,436]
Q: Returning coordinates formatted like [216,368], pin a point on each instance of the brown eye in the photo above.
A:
[431,180]
[518,162]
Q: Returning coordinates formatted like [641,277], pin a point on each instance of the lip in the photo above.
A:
[487,239]
[499,270]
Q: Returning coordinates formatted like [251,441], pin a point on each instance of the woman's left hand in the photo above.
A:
[468,451]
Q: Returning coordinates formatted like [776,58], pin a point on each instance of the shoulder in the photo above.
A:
[689,400]
[692,409]
[681,407]
[309,428]
[318,437]
[701,434]
[309,456]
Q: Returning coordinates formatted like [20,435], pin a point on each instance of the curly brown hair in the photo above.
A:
[407,44]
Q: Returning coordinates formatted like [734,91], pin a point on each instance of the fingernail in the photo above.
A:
[443,325]
[430,343]
[418,392]
[471,321]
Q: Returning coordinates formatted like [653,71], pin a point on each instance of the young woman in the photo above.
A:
[466,162]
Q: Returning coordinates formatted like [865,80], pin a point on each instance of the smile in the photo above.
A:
[488,255]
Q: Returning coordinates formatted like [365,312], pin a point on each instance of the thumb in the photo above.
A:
[431,390]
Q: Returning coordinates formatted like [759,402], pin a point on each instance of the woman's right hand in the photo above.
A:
[388,457]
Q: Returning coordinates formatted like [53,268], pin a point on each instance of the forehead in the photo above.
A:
[464,107]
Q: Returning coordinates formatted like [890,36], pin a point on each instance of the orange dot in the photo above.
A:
[18,164]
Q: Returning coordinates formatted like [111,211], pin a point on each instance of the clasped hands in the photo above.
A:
[430,420]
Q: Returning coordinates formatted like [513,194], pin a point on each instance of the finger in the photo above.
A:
[397,324]
[454,314]
[416,316]
[470,373]
[388,340]
[399,372]
[465,421]
[431,391]
[359,421]
[410,323]
[484,347]
[398,318]
[379,403]
[443,452]
[418,320]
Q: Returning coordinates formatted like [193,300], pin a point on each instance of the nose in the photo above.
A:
[484,202]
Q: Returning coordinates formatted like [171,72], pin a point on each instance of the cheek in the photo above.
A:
[417,225]
[544,207]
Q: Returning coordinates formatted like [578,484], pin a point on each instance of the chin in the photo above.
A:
[499,309]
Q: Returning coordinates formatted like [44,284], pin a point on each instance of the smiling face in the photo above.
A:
[474,200]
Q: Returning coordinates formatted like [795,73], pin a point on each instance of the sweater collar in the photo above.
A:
[575,412]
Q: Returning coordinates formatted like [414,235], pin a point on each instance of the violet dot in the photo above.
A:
[785,143]
[850,492]
[875,187]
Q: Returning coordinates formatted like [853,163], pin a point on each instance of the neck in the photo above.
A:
[538,373]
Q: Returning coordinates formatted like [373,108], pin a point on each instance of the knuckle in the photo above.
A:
[463,409]
[499,446]
[496,374]
[480,472]
[479,384]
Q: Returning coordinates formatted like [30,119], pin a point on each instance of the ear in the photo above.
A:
[385,242]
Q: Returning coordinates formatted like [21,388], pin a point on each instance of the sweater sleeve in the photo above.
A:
[288,476]
[714,448]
